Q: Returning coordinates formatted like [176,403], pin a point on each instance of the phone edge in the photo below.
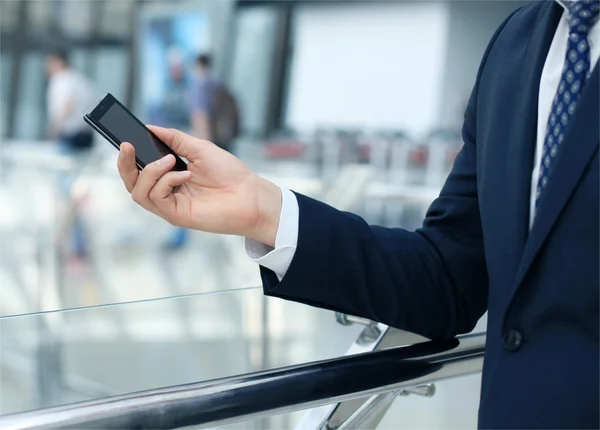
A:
[89,121]
[87,117]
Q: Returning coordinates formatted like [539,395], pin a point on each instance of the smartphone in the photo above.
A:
[117,124]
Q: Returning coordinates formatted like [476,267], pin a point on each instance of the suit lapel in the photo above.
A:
[574,155]
[522,137]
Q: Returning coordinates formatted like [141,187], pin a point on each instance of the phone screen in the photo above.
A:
[121,124]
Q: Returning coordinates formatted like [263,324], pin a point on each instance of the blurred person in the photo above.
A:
[69,95]
[173,110]
[214,110]
[214,116]
[514,231]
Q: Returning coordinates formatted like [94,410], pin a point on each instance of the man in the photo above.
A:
[201,98]
[515,229]
[173,109]
[70,94]
[214,111]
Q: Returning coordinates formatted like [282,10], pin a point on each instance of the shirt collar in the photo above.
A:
[564,3]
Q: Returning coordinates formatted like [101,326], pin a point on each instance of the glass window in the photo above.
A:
[80,59]
[5,69]
[252,65]
[30,113]
[8,15]
[111,71]
[116,18]
[41,14]
[76,17]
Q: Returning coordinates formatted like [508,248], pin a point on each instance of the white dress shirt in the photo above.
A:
[69,86]
[278,259]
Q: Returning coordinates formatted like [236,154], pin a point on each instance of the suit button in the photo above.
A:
[512,340]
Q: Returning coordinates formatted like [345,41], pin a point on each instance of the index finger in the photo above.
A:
[127,166]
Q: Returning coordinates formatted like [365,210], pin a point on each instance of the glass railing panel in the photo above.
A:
[56,358]
[47,198]
[454,406]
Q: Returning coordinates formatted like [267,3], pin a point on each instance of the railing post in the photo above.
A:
[363,413]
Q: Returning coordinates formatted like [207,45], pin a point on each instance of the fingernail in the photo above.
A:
[163,161]
[184,174]
[121,155]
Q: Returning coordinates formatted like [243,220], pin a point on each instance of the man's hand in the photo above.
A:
[218,193]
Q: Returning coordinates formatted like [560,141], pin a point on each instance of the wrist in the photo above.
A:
[269,213]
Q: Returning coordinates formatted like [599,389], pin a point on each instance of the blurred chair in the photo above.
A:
[388,152]
[338,147]
[285,145]
[443,145]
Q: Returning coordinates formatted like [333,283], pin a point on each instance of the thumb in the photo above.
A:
[183,144]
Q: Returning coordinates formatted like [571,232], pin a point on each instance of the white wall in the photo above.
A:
[368,65]
[471,26]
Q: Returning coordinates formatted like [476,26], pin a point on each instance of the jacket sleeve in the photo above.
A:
[431,282]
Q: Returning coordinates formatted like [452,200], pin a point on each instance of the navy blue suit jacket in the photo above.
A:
[475,251]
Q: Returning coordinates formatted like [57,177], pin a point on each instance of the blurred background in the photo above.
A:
[355,103]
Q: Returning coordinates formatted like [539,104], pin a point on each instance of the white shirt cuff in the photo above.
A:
[278,259]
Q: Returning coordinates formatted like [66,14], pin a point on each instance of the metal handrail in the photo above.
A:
[256,395]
